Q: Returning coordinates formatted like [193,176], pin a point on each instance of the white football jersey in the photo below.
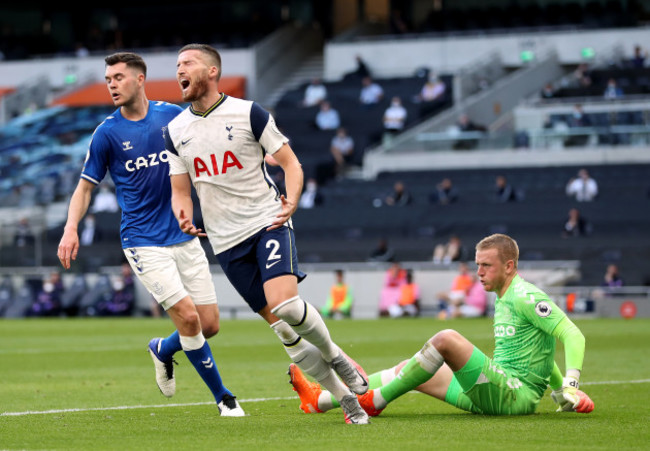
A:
[223,152]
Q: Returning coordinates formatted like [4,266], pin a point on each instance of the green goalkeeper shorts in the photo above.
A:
[483,386]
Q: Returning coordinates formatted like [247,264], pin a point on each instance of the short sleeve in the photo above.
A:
[96,163]
[265,129]
[176,164]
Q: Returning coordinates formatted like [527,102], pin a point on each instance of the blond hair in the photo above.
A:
[506,247]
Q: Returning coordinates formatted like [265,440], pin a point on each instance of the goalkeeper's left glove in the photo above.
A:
[570,399]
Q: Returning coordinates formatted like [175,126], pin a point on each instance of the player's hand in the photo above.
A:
[288,209]
[186,226]
[570,399]
[68,248]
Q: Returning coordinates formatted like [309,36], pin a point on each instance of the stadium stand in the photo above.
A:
[364,124]
[348,224]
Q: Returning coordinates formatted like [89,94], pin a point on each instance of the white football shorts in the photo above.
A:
[171,273]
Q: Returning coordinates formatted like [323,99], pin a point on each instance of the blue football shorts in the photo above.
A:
[263,256]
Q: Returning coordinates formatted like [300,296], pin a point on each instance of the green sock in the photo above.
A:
[374,380]
[335,403]
[408,378]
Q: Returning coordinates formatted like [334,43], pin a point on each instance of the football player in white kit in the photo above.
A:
[171,265]
[218,144]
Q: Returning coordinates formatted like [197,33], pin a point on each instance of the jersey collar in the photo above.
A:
[211,109]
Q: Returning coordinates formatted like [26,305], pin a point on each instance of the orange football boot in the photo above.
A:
[368,404]
[307,391]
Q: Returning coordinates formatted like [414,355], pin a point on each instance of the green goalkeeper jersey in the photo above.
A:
[524,319]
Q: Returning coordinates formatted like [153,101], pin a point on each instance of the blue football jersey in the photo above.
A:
[134,154]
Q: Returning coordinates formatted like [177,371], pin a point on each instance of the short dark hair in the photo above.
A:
[211,52]
[132,60]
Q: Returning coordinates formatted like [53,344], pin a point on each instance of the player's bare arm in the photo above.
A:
[182,205]
[293,177]
[79,202]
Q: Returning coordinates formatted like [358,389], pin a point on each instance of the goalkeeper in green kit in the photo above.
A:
[450,368]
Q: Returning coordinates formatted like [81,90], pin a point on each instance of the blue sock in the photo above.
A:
[170,346]
[207,368]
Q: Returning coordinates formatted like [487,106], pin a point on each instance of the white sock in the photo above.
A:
[307,322]
[429,358]
[192,343]
[310,360]
[387,375]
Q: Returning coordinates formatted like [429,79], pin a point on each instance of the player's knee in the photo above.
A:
[293,311]
[210,329]
[444,340]
[188,323]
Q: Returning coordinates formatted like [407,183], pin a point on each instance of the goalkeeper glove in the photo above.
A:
[570,399]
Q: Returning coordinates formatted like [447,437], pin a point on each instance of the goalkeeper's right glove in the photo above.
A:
[570,399]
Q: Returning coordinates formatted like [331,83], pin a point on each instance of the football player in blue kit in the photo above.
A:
[172,265]
[219,145]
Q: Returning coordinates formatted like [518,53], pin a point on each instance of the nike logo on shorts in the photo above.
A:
[268,265]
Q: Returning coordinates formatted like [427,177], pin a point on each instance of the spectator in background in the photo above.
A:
[582,76]
[582,188]
[576,225]
[460,286]
[409,298]
[371,92]
[327,117]
[639,57]
[548,92]
[122,300]
[340,299]
[89,233]
[342,150]
[465,125]
[448,252]
[382,253]
[399,197]
[315,93]
[24,236]
[432,90]
[395,117]
[48,299]
[361,71]
[578,119]
[105,200]
[445,193]
[612,278]
[394,279]
[311,196]
[612,91]
[504,191]
[472,305]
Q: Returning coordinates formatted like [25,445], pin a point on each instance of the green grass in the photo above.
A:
[99,369]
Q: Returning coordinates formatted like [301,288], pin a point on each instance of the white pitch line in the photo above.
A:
[154,406]
[160,406]
[638,381]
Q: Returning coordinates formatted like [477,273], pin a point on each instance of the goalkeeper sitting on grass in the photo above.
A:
[450,368]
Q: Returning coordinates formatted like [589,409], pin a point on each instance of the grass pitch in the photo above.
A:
[80,384]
